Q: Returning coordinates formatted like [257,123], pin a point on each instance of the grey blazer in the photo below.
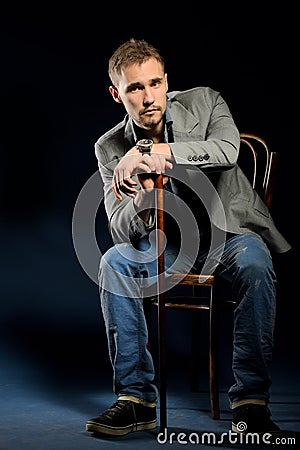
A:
[205,139]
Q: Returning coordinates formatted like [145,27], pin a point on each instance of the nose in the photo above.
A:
[148,96]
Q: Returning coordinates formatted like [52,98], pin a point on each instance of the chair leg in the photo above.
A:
[162,363]
[162,360]
[195,351]
[160,244]
[213,360]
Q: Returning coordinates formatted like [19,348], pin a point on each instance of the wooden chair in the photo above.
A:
[259,164]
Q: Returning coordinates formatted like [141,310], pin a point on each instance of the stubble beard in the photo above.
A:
[150,123]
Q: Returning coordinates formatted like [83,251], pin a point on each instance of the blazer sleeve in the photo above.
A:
[210,138]
[124,223]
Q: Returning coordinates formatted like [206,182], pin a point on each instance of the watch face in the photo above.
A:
[144,145]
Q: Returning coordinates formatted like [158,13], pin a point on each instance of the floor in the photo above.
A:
[55,372]
[46,408]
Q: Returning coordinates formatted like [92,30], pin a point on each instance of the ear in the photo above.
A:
[166,81]
[115,94]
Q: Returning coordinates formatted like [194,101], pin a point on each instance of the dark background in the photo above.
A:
[55,104]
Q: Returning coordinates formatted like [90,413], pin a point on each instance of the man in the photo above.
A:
[190,133]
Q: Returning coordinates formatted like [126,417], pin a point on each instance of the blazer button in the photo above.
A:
[195,158]
[200,158]
[189,158]
[206,156]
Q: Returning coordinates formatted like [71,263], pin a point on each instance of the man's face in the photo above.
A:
[142,90]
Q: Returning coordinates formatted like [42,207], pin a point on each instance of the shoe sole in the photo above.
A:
[122,431]
[235,430]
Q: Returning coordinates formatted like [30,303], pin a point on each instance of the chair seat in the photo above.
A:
[192,279]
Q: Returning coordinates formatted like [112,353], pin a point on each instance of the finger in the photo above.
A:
[117,185]
[117,191]
[160,164]
[142,168]
[169,165]
[126,188]
[164,163]
[149,161]
[127,185]
[128,181]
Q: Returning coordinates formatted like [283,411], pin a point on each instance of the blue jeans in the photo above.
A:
[245,262]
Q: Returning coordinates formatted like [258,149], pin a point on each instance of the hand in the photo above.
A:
[134,163]
[122,181]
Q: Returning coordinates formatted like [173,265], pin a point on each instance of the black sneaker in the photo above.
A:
[123,417]
[250,418]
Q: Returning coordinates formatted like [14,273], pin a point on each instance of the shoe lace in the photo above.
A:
[116,408]
[119,406]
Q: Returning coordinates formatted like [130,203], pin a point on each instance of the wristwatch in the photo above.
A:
[144,146]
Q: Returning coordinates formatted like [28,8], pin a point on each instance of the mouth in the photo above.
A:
[150,111]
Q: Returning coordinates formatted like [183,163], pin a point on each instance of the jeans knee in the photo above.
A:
[116,260]
[121,259]
[109,258]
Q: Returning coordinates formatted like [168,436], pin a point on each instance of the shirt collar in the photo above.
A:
[168,126]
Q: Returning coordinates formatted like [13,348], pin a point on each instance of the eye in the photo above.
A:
[156,83]
[134,88]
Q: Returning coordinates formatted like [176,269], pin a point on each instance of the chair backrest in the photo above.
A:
[259,164]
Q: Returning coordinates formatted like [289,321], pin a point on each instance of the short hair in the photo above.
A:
[133,51]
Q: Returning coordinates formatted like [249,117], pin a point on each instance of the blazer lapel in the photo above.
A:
[183,121]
